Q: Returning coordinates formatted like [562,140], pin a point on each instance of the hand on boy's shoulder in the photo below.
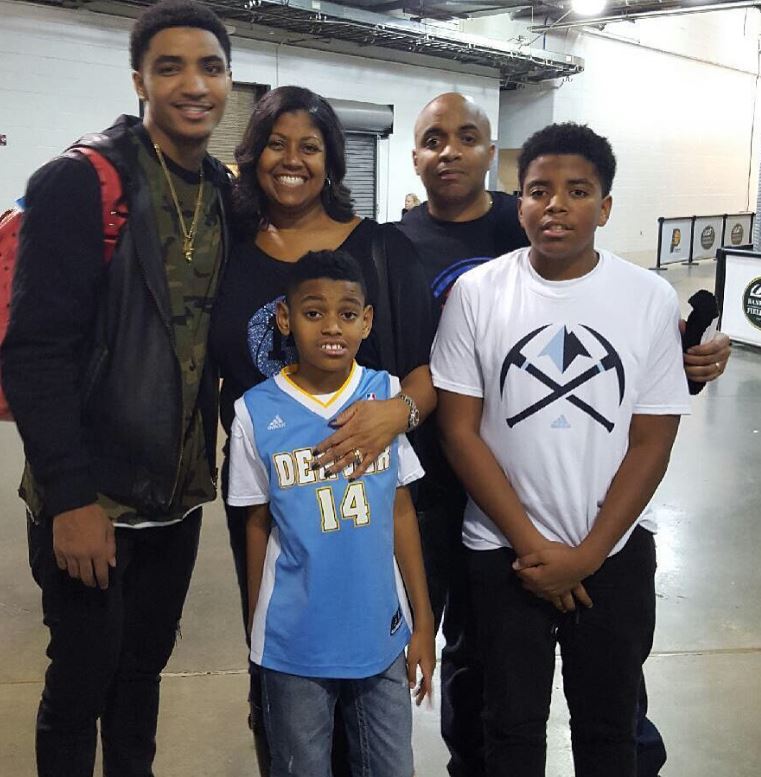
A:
[365,426]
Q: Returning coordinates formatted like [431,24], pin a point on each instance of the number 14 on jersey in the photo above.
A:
[354,506]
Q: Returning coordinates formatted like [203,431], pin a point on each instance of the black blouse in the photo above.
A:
[245,341]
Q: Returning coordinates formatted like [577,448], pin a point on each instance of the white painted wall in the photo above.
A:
[61,75]
[65,72]
[681,130]
[676,98]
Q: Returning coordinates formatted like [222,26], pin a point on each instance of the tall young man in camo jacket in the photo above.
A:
[106,373]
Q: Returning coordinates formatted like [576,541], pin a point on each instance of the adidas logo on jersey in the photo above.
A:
[560,423]
[276,423]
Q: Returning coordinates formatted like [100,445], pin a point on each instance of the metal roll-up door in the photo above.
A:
[363,124]
[230,130]
[361,171]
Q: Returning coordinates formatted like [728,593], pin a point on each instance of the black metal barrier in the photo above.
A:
[735,230]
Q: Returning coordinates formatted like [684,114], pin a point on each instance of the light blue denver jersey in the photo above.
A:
[332,602]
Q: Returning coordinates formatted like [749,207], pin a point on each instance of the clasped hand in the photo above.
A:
[554,572]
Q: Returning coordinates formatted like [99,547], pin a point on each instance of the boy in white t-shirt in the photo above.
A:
[328,605]
[561,387]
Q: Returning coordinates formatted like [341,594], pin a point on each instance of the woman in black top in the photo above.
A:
[290,199]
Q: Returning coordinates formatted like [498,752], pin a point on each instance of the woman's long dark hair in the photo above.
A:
[249,201]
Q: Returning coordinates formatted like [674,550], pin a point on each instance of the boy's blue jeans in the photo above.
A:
[377,712]
[603,649]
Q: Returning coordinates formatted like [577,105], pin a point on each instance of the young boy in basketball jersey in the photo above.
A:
[330,617]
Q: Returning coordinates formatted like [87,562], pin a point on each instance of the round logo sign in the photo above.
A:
[736,236]
[707,237]
[752,302]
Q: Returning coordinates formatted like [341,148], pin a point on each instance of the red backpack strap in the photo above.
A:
[114,210]
[10,226]
[114,218]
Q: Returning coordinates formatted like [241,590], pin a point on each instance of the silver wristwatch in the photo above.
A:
[413,420]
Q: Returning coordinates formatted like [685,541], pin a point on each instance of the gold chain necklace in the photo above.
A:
[188,235]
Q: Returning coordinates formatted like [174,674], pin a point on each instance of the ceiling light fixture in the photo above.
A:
[587,7]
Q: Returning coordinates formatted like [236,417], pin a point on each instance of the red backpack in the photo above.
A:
[10,229]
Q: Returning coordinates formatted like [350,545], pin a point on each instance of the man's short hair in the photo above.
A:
[570,138]
[174,13]
[335,265]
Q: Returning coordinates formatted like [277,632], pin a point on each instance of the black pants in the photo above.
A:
[603,649]
[651,751]
[461,674]
[236,527]
[107,649]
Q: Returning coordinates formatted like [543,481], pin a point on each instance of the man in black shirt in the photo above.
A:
[460,226]
[105,371]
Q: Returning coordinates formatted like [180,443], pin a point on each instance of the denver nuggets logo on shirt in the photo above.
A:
[270,350]
[445,280]
[555,365]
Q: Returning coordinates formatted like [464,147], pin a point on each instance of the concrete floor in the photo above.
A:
[704,675]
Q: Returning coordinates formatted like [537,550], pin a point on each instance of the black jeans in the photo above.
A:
[107,649]
[445,560]
[651,751]
[236,527]
[461,674]
[603,649]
